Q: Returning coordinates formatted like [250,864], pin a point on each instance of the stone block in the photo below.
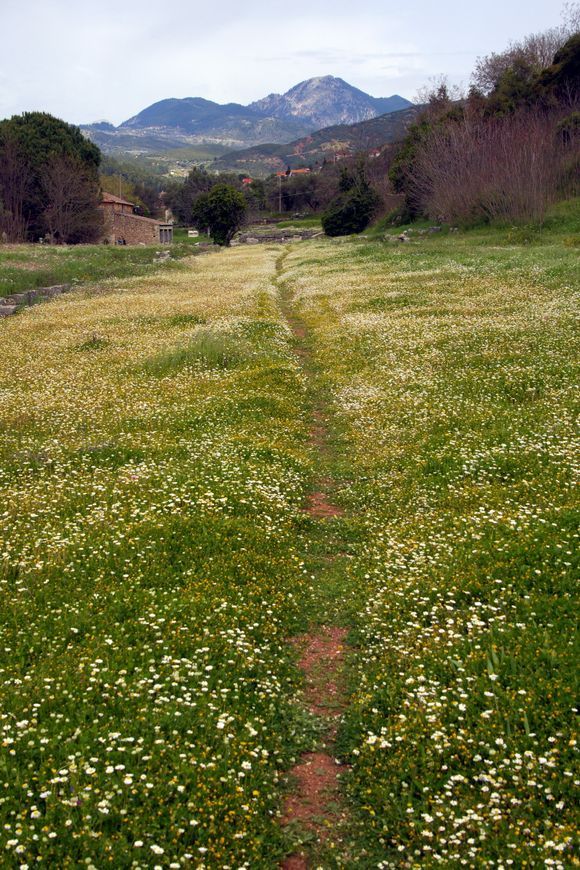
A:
[17,299]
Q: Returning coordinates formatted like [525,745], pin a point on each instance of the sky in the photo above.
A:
[86,61]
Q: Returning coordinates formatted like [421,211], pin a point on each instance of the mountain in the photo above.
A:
[327,100]
[330,143]
[177,123]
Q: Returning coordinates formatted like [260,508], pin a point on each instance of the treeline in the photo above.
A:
[308,193]
[507,150]
[49,181]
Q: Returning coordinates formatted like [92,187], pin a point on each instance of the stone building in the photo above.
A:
[123,227]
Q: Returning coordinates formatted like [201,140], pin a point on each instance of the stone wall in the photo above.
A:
[11,304]
[133,228]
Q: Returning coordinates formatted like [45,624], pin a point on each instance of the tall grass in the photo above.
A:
[206,348]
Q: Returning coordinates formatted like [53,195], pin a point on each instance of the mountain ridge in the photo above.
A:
[328,144]
[316,99]
[278,118]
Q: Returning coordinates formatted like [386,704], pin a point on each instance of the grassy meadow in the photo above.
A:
[452,366]
[148,573]
[155,557]
[25,267]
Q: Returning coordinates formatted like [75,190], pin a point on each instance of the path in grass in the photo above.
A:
[314,810]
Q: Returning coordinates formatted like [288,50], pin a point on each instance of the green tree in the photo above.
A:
[181,196]
[222,211]
[561,80]
[40,140]
[354,207]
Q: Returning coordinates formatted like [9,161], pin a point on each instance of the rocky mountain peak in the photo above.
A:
[326,100]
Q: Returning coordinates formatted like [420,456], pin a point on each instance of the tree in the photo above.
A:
[182,196]
[561,80]
[14,186]
[37,141]
[353,209]
[534,52]
[221,210]
[72,195]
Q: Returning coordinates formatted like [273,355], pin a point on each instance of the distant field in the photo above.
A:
[156,557]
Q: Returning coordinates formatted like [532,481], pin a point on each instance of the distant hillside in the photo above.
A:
[178,123]
[326,144]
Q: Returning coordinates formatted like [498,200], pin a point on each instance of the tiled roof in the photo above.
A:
[110,197]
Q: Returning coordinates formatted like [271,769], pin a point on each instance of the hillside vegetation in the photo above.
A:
[156,556]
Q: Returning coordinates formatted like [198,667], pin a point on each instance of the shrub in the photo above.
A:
[496,169]
[351,211]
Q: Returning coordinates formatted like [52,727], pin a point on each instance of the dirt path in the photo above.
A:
[314,803]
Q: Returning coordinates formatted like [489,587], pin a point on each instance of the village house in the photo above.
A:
[123,227]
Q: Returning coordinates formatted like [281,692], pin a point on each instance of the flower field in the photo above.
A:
[155,558]
[153,464]
[452,370]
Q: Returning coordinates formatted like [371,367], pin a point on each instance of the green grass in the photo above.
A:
[24,267]
[148,573]
[451,363]
[312,222]
[205,348]
[155,459]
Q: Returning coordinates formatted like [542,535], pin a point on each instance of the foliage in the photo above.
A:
[222,211]
[37,141]
[353,209]
[561,80]
[534,52]
[182,196]
[71,194]
[506,155]
[490,169]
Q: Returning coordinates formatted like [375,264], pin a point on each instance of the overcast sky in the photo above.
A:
[86,60]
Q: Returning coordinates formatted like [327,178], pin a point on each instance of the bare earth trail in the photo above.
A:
[314,808]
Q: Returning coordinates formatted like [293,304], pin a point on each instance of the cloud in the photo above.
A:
[87,61]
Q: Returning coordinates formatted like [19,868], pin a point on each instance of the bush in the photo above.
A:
[350,212]
[490,169]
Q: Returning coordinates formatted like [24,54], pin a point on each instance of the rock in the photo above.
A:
[7,310]
[434,229]
[252,241]
[17,299]
[234,243]
[50,292]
